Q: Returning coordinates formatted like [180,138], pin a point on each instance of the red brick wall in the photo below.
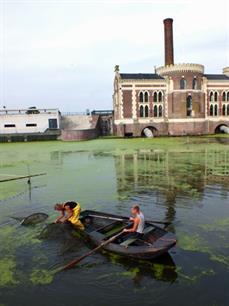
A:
[188,128]
[76,135]
[213,125]
[173,128]
[177,104]
[188,76]
[127,103]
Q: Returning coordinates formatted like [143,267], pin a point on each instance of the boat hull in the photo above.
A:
[150,246]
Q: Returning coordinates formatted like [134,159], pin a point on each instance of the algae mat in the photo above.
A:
[181,180]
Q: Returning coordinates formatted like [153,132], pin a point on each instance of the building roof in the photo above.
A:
[154,76]
[216,77]
[140,76]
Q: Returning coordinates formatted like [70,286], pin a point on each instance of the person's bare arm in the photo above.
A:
[69,215]
[62,214]
[134,227]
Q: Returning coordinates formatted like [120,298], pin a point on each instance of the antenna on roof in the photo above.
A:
[155,68]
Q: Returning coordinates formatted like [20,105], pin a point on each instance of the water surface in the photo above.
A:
[181,180]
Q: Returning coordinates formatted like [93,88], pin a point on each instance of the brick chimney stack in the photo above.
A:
[168,28]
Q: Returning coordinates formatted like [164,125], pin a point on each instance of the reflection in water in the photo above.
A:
[162,269]
[172,174]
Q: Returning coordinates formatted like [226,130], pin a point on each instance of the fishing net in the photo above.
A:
[32,219]
[68,239]
[56,231]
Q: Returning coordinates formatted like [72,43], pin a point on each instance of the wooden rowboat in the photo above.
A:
[101,226]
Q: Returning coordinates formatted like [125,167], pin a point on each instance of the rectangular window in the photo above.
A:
[53,124]
[9,125]
[31,124]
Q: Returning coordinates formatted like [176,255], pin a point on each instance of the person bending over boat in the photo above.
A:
[138,223]
[69,212]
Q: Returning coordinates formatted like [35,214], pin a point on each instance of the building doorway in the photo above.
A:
[53,124]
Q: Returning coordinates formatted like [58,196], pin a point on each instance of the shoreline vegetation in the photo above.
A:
[105,144]
[157,138]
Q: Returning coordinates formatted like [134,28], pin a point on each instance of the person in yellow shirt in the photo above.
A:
[70,212]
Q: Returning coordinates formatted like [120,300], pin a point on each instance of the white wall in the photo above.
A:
[20,121]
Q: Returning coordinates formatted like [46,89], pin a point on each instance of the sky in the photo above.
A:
[61,54]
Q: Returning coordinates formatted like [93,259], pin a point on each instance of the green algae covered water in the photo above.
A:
[181,180]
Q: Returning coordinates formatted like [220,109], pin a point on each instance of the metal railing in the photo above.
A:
[102,112]
[28,111]
[75,113]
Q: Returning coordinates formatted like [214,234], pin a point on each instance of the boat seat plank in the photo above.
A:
[114,231]
[129,241]
[148,229]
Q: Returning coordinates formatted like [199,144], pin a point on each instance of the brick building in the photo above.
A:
[178,99]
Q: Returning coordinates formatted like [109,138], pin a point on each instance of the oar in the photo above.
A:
[126,219]
[77,260]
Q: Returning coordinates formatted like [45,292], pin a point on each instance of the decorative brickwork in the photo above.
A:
[179,99]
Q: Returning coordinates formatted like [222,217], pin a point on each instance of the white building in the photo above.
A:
[32,121]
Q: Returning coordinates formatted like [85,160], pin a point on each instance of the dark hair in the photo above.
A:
[136,207]
[71,204]
[58,206]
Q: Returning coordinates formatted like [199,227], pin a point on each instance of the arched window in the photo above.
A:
[216,110]
[160,111]
[216,96]
[160,96]
[155,97]
[194,83]
[146,96]
[141,97]
[146,111]
[189,106]
[211,96]
[211,110]
[227,109]
[183,83]
[141,111]
[155,111]
[224,110]
[228,96]
[224,98]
